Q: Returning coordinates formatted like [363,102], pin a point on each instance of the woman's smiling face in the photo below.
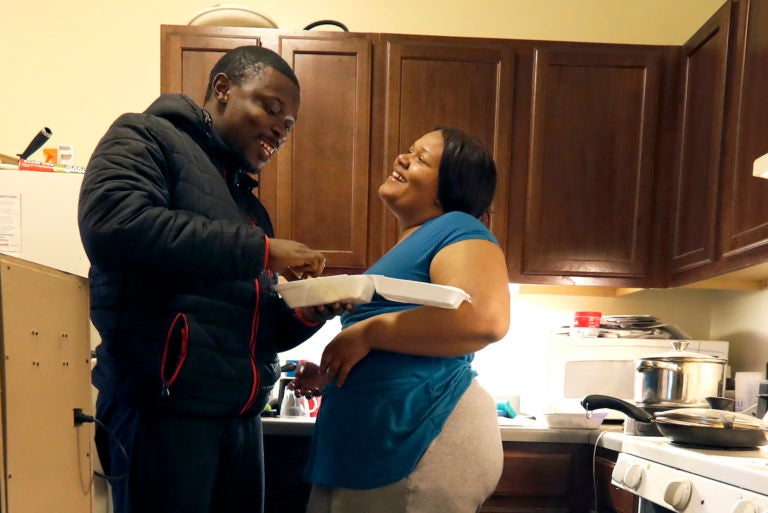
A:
[410,192]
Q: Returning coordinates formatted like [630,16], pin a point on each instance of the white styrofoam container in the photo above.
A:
[344,288]
[408,291]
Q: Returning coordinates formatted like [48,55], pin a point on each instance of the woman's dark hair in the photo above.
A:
[245,60]
[467,175]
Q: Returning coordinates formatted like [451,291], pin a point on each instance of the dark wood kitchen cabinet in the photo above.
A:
[323,179]
[552,477]
[619,165]
[462,82]
[744,198]
[285,489]
[586,175]
[187,55]
[721,221]
[697,185]
[317,187]
[321,189]
[556,477]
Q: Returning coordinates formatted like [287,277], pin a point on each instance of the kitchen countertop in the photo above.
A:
[609,436]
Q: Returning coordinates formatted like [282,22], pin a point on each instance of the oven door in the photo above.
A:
[647,506]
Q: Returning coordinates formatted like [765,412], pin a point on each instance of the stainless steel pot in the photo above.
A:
[678,378]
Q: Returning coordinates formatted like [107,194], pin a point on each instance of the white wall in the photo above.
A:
[742,317]
[75,66]
[739,317]
[503,367]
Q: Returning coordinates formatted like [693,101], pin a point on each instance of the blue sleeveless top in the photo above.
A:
[374,430]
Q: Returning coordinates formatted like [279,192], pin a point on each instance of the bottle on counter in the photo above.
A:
[293,406]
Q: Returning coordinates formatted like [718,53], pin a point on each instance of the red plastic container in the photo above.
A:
[586,324]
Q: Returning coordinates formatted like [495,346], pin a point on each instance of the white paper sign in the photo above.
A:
[10,222]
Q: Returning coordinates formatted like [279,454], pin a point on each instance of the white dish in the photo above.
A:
[344,288]
[572,420]
[420,293]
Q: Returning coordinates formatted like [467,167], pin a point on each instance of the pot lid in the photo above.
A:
[679,353]
[709,417]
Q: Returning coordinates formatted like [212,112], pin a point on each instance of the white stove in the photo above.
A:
[672,477]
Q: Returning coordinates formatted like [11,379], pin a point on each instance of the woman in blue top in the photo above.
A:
[404,426]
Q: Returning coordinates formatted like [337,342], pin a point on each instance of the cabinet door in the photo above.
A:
[187,55]
[316,187]
[542,477]
[457,82]
[286,490]
[744,228]
[323,174]
[704,60]
[590,170]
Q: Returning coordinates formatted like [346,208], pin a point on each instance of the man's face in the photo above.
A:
[254,118]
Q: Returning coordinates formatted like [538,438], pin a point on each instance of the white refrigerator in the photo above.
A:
[46,458]
[38,219]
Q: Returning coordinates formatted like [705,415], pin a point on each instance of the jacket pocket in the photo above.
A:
[174,352]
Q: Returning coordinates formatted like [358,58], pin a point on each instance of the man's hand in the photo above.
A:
[321,313]
[295,257]
[309,381]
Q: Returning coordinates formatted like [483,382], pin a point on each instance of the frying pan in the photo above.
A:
[692,426]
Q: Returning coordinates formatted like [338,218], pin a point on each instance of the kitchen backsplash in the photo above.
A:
[503,367]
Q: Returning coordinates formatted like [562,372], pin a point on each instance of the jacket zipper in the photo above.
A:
[252,346]
[255,328]
[184,331]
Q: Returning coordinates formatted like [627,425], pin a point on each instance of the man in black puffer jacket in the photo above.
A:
[183,261]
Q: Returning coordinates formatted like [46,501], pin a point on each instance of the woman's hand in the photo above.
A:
[309,381]
[343,352]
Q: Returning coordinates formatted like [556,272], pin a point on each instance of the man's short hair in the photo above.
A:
[238,63]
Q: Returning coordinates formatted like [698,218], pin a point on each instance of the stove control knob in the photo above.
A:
[633,476]
[618,471]
[677,494]
[745,507]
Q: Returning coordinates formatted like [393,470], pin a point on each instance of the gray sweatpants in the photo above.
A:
[460,469]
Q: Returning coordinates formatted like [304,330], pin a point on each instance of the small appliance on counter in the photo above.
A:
[762,400]
[762,397]
[565,370]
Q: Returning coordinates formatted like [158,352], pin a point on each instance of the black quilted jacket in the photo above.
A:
[179,292]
